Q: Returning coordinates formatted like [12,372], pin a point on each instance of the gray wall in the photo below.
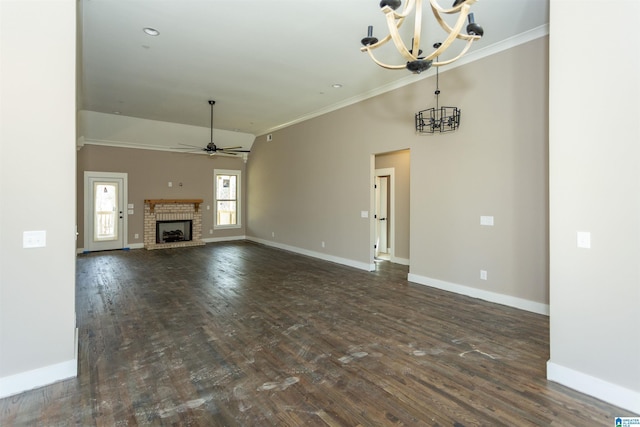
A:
[595,187]
[496,165]
[312,181]
[310,185]
[37,192]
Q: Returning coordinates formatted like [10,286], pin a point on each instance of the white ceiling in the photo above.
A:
[265,63]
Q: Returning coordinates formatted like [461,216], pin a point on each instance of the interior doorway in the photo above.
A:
[390,204]
[105,216]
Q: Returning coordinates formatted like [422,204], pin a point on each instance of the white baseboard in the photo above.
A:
[319,255]
[126,248]
[40,377]
[508,300]
[208,240]
[224,239]
[402,261]
[600,389]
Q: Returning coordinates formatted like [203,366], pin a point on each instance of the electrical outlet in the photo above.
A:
[136,236]
[273,234]
[483,274]
[323,244]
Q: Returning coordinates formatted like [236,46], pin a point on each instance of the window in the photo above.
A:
[227,198]
[105,211]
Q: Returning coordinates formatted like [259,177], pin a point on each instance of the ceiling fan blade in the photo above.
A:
[231,148]
[185,148]
[196,152]
[235,151]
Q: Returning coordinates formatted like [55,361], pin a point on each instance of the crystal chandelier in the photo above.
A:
[415,62]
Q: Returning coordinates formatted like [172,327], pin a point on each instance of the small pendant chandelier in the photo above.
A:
[438,119]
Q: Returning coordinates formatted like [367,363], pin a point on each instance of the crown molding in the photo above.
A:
[475,55]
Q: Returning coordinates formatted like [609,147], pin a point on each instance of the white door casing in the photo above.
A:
[381,214]
[384,196]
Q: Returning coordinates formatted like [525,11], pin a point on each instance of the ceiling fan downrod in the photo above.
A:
[212,103]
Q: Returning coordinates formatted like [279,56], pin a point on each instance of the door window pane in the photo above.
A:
[106,212]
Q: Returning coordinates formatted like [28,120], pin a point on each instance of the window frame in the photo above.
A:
[238,174]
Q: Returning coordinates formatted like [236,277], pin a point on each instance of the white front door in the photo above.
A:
[105,211]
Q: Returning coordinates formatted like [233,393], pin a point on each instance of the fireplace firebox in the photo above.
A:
[173,231]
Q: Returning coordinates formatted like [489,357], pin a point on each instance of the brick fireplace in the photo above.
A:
[172,210]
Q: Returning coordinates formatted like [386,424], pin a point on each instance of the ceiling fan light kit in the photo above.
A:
[411,53]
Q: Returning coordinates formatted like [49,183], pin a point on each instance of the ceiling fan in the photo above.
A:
[211,148]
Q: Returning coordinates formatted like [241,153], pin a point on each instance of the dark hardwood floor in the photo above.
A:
[239,334]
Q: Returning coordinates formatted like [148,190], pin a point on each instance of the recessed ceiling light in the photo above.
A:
[151,31]
[336,85]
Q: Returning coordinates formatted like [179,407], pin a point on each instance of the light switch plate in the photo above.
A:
[486,220]
[584,239]
[364,214]
[34,239]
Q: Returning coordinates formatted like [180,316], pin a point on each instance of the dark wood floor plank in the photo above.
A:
[239,334]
